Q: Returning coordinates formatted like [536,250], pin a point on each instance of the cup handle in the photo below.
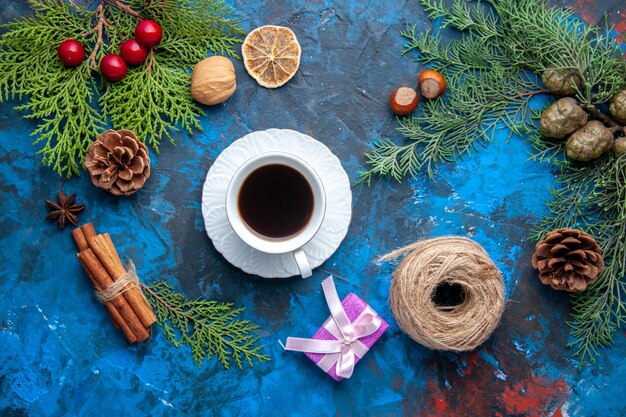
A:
[303,263]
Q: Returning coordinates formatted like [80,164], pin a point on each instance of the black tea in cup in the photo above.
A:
[276,201]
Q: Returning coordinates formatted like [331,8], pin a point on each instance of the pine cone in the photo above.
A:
[561,118]
[568,259]
[617,106]
[619,146]
[118,162]
[563,82]
[589,142]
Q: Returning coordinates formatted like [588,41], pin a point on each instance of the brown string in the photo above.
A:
[446,260]
[119,286]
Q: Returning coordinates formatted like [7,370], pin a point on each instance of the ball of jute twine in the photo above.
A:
[446,260]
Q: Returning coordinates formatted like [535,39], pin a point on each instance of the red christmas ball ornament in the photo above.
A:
[148,33]
[113,67]
[71,52]
[133,52]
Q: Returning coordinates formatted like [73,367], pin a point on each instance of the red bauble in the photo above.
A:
[113,67]
[71,52]
[133,52]
[148,33]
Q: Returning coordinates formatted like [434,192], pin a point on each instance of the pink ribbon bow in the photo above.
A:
[343,350]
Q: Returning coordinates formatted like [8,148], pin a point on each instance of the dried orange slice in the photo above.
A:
[271,55]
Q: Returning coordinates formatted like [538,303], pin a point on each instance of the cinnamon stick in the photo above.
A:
[102,246]
[115,315]
[92,264]
[81,243]
[79,239]
[81,235]
[112,264]
[89,232]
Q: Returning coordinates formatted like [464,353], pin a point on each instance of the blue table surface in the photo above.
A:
[60,356]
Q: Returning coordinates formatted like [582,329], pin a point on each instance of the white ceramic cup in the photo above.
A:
[294,242]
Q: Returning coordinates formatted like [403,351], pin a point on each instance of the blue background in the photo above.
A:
[59,354]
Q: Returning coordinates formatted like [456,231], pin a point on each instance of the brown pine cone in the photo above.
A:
[589,142]
[562,118]
[617,106]
[118,162]
[564,82]
[619,146]
[568,259]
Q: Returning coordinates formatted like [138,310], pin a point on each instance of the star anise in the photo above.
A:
[64,210]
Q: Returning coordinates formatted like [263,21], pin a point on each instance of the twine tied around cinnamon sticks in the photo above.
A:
[126,304]
[446,262]
[123,284]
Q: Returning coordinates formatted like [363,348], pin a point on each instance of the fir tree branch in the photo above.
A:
[68,119]
[205,24]
[545,150]
[388,159]
[98,29]
[45,4]
[530,93]
[489,84]
[208,328]
[155,101]
[68,115]
[61,99]
[150,61]
[614,124]
[124,8]
[478,105]
[461,16]
[592,198]
[542,37]
[466,55]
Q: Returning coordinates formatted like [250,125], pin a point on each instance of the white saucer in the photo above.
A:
[338,202]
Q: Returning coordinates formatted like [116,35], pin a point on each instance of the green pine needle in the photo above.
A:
[59,98]
[154,102]
[209,328]
[73,105]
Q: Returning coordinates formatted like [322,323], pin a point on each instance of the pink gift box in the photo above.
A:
[354,306]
